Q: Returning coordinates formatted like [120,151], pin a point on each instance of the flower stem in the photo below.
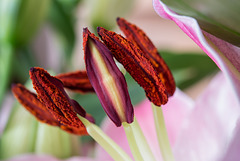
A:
[137,142]
[107,143]
[162,135]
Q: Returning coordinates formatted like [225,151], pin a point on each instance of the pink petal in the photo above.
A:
[232,153]
[31,157]
[209,128]
[175,111]
[228,60]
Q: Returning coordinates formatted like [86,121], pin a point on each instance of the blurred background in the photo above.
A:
[48,34]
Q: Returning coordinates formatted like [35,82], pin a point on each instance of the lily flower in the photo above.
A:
[209,133]
[176,111]
[110,86]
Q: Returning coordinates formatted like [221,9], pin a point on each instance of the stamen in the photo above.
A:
[137,64]
[51,93]
[30,102]
[33,105]
[77,81]
[139,38]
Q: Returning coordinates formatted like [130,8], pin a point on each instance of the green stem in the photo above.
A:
[137,142]
[162,135]
[107,143]
[7,59]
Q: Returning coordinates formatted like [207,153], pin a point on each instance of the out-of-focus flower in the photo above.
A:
[224,54]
